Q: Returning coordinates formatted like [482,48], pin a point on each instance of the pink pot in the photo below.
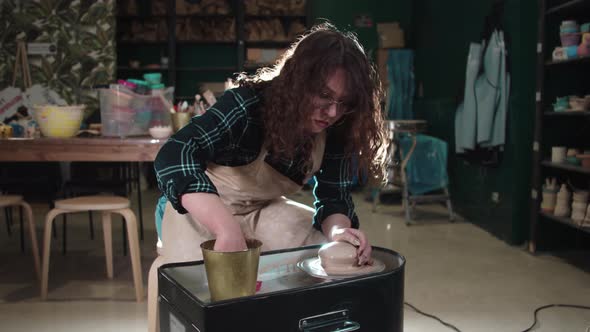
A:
[569,39]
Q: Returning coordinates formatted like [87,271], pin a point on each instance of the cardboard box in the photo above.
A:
[390,35]
[263,55]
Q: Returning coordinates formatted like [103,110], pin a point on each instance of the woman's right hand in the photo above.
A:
[210,211]
[230,240]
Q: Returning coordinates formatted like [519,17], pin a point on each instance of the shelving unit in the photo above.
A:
[197,55]
[566,114]
[566,221]
[570,128]
[566,167]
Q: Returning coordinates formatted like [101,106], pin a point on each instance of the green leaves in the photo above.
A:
[84,32]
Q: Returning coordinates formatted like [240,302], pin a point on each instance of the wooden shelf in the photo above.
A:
[566,221]
[262,17]
[203,42]
[567,113]
[194,69]
[568,61]
[141,42]
[221,68]
[141,69]
[140,17]
[567,167]
[201,15]
[269,43]
[549,16]
[569,7]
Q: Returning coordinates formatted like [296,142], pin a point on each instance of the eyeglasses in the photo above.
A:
[324,101]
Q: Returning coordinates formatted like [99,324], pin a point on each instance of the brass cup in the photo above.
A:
[231,274]
[180,120]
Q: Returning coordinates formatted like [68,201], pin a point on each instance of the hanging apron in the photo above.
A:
[254,193]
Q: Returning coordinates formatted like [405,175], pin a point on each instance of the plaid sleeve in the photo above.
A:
[333,185]
[181,163]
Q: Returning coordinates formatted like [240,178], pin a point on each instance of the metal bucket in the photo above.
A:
[231,274]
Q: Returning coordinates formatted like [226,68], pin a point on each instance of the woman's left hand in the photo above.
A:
[357,238]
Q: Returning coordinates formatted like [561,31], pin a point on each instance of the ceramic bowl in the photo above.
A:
[569,24]
[570,39]
[583,50]
[559,53]
[572,161]
[561,104]
[160,132]
[59,121]
[571,51]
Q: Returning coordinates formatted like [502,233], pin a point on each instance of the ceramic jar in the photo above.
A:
[586,222]
[562,206]
[581,196]
[579,211]
[549,201]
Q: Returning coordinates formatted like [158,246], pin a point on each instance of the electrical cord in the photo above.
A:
[551,306]
[452,327]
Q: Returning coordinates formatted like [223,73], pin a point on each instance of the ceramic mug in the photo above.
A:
[558,154]
[562,210]
[559,53]
[549,202]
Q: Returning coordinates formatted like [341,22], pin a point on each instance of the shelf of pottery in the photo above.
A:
[575,41]
[566,203]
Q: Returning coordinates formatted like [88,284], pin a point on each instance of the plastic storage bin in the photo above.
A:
[124,113]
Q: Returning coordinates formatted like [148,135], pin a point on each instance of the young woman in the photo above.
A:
[225,174]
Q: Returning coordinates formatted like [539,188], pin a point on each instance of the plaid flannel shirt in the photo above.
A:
[230,133]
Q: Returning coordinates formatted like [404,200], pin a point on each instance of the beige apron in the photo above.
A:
[254,193]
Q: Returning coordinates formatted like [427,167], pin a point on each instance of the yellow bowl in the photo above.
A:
[59,121]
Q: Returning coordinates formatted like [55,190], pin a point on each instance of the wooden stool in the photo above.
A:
[107,205]
[16,200]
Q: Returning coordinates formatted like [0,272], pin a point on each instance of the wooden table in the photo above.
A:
[98,149]
[132,149]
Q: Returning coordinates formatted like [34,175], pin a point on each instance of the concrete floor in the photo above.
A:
[455,271]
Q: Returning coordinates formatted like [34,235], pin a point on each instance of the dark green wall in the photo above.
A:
[442,33]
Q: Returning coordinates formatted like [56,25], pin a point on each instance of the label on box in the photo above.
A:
[41,48]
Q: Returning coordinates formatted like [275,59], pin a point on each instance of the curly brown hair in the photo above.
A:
[288,87]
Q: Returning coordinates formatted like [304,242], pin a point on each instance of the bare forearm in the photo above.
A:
[210,211]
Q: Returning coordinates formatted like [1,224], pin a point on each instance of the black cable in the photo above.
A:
[527,330]
[551,306]
[433,317]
